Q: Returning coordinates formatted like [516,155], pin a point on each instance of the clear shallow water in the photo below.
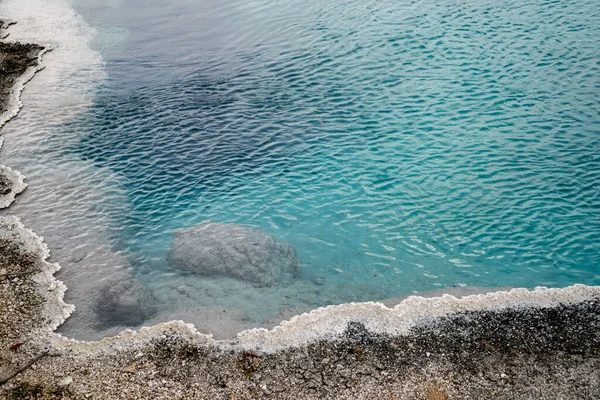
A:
[399,146]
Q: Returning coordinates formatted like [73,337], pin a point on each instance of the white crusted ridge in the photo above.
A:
[55,310]
[14,101]
[17,185]
[330,322]
[129,338]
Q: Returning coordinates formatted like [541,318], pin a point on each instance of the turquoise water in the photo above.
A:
[399,146]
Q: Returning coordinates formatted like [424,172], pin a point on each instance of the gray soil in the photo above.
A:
[5,184]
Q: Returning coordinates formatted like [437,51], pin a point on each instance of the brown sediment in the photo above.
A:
[518,344]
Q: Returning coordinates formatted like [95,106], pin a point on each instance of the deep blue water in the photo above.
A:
[400,146]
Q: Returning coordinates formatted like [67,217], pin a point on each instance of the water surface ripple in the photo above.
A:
[399,146]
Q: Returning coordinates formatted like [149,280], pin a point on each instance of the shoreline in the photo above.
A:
[542,343]
[20,62]
[518,344]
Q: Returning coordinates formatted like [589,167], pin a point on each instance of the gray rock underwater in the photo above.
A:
[236,251]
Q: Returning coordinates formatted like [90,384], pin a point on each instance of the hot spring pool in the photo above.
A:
[398,146]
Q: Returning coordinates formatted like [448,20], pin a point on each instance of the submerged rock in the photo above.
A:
[238,251]
[123,303]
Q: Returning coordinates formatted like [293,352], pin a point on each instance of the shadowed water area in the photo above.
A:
[399,147]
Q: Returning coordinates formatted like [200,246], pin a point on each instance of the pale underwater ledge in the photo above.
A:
[514,344]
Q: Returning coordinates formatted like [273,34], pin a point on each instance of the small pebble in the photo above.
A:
[65,381]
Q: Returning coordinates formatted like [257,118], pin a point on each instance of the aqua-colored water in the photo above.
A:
[399,146]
